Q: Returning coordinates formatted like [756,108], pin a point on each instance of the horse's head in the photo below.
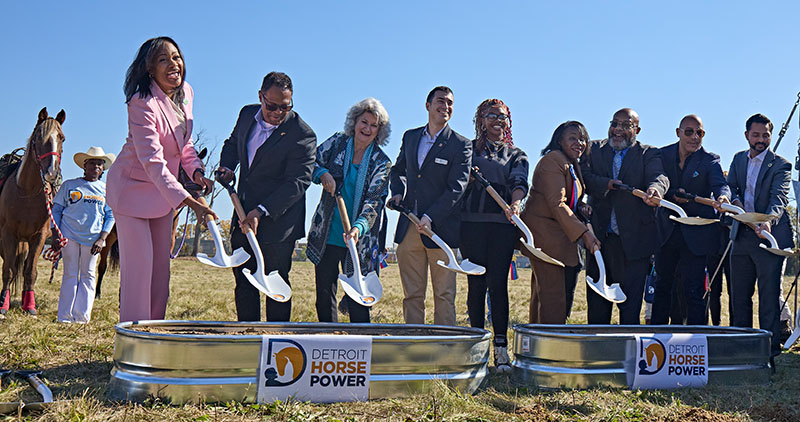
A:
[46,144]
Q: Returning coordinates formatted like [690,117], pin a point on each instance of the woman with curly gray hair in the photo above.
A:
[353,163]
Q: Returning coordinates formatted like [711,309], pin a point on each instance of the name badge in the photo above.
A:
[441,161]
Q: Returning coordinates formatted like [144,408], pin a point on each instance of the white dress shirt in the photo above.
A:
[753,168]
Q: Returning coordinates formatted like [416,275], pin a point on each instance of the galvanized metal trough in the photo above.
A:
[192,361]
[584,356]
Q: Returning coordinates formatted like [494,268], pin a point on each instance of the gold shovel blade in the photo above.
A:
[694,221]
[752,217]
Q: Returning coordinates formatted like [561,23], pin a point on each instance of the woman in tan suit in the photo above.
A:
[550,209]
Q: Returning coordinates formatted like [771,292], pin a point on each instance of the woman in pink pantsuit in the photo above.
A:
[143,190]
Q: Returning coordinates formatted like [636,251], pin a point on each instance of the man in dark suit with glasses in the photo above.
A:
[275,152]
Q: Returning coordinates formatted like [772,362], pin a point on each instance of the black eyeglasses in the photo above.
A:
[494,116]
[690,132]
[623,125]
[272,107]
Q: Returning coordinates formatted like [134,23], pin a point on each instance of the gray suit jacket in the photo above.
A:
[771,197]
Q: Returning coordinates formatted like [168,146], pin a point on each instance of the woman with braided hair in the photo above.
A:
[488,236]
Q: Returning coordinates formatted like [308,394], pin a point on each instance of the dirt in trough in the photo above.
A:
[227,331]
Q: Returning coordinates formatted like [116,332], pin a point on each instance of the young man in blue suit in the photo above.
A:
[759,182]
[691,169]
[429,178]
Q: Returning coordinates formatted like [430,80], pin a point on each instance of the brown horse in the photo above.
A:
[24,219]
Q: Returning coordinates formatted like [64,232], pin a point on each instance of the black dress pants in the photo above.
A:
[748,264]
[277,256]
[490,245]
[674,259]
[629,273]
[327,279]
[715,295]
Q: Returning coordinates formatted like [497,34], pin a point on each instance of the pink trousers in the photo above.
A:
[144,266]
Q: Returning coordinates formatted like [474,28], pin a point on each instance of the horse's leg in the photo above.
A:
[30,273]
[8,250]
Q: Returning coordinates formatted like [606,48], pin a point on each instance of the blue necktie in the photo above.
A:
[617,164]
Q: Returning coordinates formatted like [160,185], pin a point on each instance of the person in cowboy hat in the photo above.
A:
[81,213]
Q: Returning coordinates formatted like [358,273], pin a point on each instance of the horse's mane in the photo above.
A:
[40,130]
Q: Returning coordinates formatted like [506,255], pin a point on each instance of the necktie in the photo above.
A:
[616,165]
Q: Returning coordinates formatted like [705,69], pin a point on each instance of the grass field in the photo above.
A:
[76,360]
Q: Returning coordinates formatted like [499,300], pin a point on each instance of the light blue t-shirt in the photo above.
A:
[81,212]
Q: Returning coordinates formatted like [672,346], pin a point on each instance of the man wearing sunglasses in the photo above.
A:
[275,152]
[624,224]
[429,178]
[684,248]
[759,181]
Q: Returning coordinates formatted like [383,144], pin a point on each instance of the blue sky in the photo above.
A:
[549,61]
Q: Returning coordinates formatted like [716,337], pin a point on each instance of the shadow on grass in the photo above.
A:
[73,380]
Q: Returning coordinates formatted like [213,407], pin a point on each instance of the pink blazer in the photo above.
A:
[143,182]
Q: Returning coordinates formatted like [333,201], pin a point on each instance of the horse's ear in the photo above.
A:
[202,153]
[42,115]
[61,116]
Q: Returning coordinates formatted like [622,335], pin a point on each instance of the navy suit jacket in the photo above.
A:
[702,176]
[435,188]
[771,197]
[642,169]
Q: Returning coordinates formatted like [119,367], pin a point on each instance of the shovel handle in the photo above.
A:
[704,201]
[488,186]
[343,213]
[415,220]
[237,205]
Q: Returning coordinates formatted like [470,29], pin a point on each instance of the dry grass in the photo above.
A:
[76,360]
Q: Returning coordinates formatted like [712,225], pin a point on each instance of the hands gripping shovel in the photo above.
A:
[528,240]
[271,285]
[365,290]
[465,267]
[681,218]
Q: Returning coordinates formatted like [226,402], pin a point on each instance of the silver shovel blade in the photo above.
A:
[237,258]
[538,253]
[777,251]
[612,293]
[373,289]
[466,267]
[272,285]
[694,221]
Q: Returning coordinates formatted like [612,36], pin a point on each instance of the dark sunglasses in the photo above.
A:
[689,132]
[272,107]
[623,125]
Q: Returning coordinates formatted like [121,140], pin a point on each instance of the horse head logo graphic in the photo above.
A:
[282,353]
[652,355]
[75,196]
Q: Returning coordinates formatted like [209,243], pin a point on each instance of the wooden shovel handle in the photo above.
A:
[343,213]
[499,199]
[415,220]
[704,201]
[237,205]
[641,194]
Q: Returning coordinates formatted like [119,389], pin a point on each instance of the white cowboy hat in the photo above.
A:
[94,152]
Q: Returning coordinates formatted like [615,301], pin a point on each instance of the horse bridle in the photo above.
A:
[39,158]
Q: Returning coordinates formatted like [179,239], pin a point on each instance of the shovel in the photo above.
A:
[612,293]
[271,285]
[738,213]
[747,218]
[528,240]
[465,267]
[365,290]
[681,218]
[220,258]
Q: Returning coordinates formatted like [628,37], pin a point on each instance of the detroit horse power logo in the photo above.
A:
[280,354]
[652,355]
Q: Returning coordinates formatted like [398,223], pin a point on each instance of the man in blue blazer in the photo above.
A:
[759,182]
[429,178]
[691,169]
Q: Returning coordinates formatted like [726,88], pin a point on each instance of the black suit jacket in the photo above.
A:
[771,197]
[435,188]
[641,168]
[702,176]
[278,177]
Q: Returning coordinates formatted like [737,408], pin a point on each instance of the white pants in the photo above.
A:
[78,285]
